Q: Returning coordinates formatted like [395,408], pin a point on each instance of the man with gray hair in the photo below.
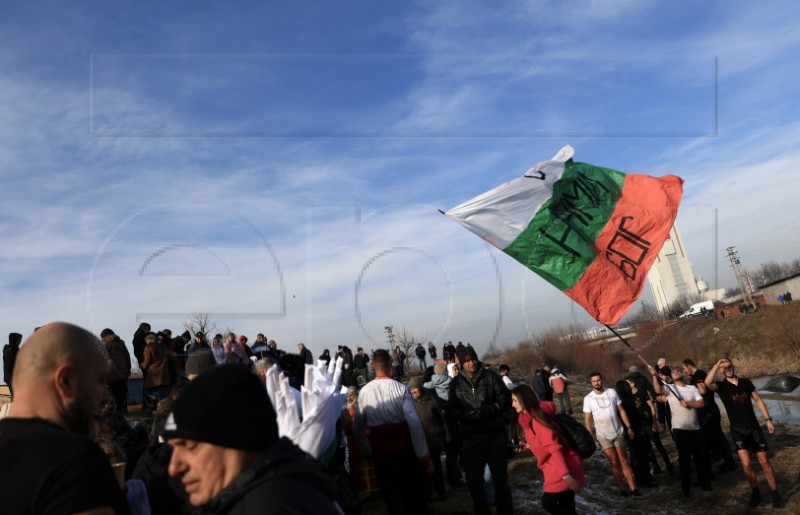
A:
[48,463]
[228,454]
[261,366]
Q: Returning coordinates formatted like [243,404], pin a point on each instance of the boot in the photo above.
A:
[755,498]
[777,502]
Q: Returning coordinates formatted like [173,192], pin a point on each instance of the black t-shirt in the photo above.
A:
[642,407]
[46,470]
[736,399]
[710,404]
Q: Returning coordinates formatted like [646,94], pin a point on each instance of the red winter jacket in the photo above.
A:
[553,459]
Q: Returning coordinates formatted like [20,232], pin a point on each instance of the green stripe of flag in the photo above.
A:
[558,244]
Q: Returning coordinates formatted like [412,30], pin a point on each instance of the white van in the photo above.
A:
[698,309]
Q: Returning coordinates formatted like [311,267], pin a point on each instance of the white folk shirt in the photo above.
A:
[683,418]
[386,401]
[603,408]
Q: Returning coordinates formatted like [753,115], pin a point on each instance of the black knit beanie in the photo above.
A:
[226,406]
[467,351]
[200,360]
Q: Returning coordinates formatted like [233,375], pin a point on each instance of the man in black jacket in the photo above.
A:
[227,453]
[478,400]
[360,361]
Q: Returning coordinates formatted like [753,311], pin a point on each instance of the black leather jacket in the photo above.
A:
[282,480]
[478,403]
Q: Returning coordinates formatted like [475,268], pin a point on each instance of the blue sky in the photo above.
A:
[282,165]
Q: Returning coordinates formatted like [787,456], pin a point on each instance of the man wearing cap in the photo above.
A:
[48,463]
[229,457]
[388,429]
[478,400]
[198,343]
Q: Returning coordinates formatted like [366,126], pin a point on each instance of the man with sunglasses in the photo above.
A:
[735,393]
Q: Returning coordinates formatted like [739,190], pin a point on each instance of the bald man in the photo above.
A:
[48,463]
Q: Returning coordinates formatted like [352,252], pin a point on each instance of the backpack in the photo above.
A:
[579,439]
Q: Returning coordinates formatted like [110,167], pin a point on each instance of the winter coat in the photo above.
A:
[120,361]
[432,351]
[478,403]
[139,343]
[432,418]
[307,356]
[283,479]
[553,458]
[219,354]
[156,365]
[360,361]
[439,383]
[537,383]
[234,354]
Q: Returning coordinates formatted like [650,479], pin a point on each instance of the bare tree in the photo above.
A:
[646,313]
[681,304]
[202,321]
[405,339]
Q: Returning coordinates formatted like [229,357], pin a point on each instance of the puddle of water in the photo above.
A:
[780,411]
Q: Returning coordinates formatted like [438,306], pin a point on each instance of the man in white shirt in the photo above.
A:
[504,371]
[684,401]
[396,439]
[603,407]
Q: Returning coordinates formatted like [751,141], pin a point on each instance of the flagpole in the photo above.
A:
[648,365]
[623,340]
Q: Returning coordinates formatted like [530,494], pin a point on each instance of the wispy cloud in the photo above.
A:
[336,210]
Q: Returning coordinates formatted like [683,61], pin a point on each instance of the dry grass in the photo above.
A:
[763,343]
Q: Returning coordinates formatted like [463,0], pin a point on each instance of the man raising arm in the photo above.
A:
[735,393]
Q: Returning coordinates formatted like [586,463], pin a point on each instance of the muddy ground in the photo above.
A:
[730,494]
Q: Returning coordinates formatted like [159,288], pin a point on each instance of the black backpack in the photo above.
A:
[578,438]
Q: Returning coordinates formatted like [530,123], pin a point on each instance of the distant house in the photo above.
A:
[780,287]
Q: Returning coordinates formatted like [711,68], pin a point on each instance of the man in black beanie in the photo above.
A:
[229,457]
[478,400]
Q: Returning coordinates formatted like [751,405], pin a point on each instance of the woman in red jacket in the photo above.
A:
[561,466]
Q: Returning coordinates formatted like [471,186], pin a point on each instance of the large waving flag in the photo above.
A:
[591,232]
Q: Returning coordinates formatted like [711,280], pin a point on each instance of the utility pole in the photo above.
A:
[390,334]
[741,276]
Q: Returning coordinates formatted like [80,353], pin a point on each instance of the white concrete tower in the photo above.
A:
[671,275]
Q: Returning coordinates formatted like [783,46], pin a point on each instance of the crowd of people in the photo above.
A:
[625,420]
[217,442]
